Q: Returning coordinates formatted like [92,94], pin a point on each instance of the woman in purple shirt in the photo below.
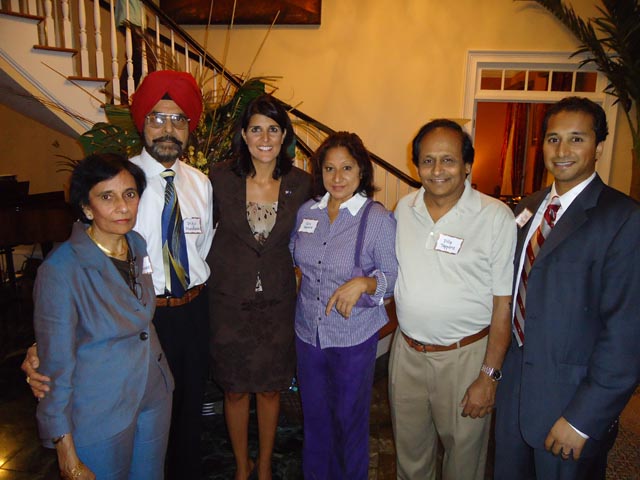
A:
[339,311]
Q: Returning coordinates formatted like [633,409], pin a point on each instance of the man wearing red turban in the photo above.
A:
[166,108]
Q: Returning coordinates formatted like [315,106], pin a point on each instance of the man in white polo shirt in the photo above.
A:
[455,251]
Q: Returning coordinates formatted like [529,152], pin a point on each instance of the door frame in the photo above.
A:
[551,61]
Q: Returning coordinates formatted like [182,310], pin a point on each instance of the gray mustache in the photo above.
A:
[168,138]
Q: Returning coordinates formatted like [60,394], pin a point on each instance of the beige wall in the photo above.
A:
[29,151]
[382,68]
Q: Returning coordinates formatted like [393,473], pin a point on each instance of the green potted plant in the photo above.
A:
[612,42]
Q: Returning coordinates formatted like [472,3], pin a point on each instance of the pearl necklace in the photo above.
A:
[109,253]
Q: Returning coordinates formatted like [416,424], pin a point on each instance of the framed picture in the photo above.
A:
[248,12]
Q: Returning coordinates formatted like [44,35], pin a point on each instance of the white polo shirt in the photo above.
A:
[449,271]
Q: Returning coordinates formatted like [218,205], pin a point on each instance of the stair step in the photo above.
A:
[72,51]
[37,18]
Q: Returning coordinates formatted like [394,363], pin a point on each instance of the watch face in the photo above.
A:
[497,375]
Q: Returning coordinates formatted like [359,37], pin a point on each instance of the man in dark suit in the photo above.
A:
[573,361]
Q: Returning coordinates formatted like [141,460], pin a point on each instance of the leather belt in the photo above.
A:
[167,301]
[425,347]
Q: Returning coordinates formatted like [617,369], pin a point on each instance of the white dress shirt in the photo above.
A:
[195,196]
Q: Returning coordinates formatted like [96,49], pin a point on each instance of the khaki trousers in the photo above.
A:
[425,391]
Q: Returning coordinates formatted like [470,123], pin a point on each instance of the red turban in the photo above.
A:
[180,86]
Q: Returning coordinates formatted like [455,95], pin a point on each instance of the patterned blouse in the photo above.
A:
[261,218]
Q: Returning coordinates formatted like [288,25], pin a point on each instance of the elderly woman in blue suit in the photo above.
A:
[108,410]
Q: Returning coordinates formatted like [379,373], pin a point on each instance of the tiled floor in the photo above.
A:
[22,457]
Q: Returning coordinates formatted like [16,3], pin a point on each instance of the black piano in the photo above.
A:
[25,219]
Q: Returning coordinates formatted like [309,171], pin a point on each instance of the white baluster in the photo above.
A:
[173,50]
[115,80]
[33,8]
[128,51]
[186,58]
[82,26]
[97,22]
[49,33]
[159,55]
[14,6]
[143,47]
[66,25]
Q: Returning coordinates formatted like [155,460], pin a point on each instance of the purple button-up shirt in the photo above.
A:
[324,252]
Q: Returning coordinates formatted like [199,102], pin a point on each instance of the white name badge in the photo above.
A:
[448,244]
[192,225]
[308,225]
[146,266]
[523,217]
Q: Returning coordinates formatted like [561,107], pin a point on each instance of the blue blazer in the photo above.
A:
[582,327]
[95,340]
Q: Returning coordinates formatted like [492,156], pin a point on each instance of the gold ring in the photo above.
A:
[29,380]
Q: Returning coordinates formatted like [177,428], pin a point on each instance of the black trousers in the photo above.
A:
[184,335]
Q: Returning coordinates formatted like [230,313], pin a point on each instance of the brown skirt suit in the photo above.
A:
[252,336]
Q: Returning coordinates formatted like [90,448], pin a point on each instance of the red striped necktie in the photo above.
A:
[533,247]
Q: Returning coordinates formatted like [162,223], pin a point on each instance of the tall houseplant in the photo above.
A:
[612,42]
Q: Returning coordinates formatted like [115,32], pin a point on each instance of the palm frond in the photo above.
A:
[612,43]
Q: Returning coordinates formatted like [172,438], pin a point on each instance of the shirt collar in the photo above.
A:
[153,167]
[354,204]
[469,201]
[568,197]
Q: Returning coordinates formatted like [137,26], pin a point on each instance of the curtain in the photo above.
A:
[514,149]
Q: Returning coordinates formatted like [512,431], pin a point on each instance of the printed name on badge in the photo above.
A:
[192,225]
[146,266]
[308,225]
[448,244]
[523,217]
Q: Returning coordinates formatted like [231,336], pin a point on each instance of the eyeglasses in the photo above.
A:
[135,287]
[158,120]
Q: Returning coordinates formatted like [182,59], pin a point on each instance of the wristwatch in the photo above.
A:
[494,373]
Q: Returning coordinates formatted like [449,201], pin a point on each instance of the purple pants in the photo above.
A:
[335,386]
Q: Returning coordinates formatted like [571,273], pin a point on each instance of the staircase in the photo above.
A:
[33,71]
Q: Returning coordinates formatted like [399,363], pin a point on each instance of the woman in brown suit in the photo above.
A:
[256,195]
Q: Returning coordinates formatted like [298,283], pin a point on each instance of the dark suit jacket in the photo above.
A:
[236,257]
[95,340]
[582,327]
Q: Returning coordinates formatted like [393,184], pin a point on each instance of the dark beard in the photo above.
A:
[161,153]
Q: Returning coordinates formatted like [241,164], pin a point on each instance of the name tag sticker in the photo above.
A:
[308,225]
[192,225]
[146,266]
[448,244]
[523,217]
